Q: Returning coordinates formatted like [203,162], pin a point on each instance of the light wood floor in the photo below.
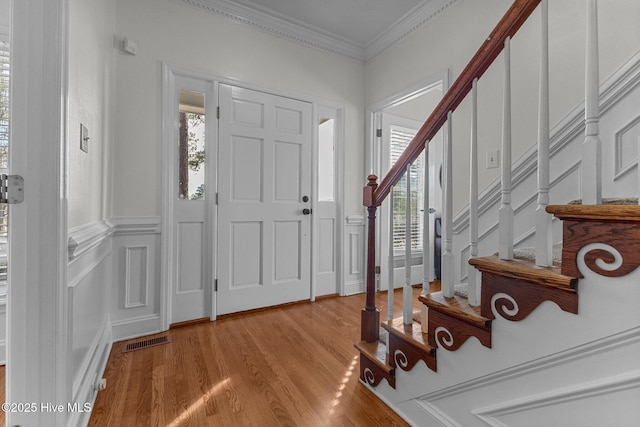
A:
[293,365]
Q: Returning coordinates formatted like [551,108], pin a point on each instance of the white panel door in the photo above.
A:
[264,187]
[191,192]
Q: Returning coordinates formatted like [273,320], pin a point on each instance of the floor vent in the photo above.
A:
[150,342]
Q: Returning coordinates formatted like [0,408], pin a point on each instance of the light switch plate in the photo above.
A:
[84,138]
[493,161]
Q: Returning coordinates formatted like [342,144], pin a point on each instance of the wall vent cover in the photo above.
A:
[149,342]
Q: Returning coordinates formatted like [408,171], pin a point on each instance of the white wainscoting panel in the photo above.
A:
[136,293]
[355,241]
[136,276]
[89,327]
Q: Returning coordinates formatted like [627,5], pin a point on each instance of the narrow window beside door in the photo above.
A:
[399,139]
[191,142]
[4,159]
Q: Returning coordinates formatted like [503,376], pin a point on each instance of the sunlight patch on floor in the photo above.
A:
[347,376]
[197,404]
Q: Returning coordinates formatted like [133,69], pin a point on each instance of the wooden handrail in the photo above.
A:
[517,14]
[374,194]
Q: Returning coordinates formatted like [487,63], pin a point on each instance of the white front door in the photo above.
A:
[264,201]
[191,191]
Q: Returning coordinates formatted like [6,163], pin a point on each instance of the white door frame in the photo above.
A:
[169,132]
[373,147]
[169,72]
[37,332]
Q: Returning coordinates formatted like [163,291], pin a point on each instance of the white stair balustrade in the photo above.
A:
[426,235]
[505,212]
[543,239]
[473,277]
[391,264]
[448,260]
[591,167]
[407,293]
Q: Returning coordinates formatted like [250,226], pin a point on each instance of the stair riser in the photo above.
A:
[622,237]
[450,333]
[515,299]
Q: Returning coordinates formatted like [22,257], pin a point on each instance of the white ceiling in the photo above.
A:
[359,29]
[357,22]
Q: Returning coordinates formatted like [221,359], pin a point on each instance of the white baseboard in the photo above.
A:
[84,389]
[354,287]
[136,327]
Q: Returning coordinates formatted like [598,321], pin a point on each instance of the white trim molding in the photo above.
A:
[136,225]
[86,237]
[298,32]
[143,276]
[621,168]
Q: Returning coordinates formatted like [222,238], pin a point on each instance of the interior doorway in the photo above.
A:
[392,123]
[239,234]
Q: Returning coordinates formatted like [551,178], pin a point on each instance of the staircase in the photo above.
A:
[536,342]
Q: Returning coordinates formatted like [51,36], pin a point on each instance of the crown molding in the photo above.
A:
[407,25]
[293,30]
[279,28]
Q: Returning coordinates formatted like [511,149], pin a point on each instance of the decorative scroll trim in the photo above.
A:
[369,377]
[401,359]
[444,337]
[604,260]
[504,305]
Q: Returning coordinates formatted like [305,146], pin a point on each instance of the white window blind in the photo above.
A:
[4,158]
[4,104]
[399,139]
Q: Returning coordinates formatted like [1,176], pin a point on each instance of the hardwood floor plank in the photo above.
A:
[293,365]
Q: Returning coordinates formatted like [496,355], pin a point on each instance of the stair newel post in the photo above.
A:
[447,279]
[391,266]
[370,318]
[473,279]
[591,167]
[407,294]
[426,223]
[543,239]
[506,210]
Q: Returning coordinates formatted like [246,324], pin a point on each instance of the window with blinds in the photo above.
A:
[4,104]
[399,139]
[4,159]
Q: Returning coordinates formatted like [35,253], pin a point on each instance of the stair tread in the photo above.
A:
[376,352]
[411,333]
[526,270]
[620,213]
[457,307]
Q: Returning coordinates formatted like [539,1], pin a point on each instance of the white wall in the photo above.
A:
[442,44]
[91,50]
[5,16]
[173,32]
[90,90]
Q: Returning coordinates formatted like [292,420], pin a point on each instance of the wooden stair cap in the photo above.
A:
[457,307]
[525,270]
[613,213]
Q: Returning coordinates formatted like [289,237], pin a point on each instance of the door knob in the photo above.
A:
[306,211]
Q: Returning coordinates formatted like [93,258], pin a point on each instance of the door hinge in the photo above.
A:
[11,189]
[216,198]
[379,133]
[218,112]
[215,285]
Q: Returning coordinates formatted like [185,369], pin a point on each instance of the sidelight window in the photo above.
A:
[191,143]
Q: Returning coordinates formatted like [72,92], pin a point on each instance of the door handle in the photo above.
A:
[306,211]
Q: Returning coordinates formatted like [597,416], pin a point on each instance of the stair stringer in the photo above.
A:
[551,364]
